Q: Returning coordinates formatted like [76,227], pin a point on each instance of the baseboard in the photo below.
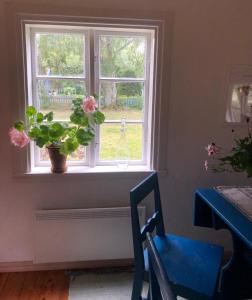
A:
[30,266]
[24,266]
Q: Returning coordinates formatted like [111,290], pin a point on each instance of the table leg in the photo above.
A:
[236,277]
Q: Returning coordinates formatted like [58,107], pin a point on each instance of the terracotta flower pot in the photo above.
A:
[58,160]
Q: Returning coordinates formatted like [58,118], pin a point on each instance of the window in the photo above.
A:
[32,82]
[239,94]
[66,62]
[240,104]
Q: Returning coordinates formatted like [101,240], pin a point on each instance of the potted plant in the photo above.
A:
[239,159]
[60,138]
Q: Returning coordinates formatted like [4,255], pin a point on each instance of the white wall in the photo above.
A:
[208,35]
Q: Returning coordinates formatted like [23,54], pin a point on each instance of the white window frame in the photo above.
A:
[33,77]
[92,80]
[17,16]
[148,35]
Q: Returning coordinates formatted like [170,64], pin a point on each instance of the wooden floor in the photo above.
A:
[48,285]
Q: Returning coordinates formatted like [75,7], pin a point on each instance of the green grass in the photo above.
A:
[111,147]
[129,114]
[64,111]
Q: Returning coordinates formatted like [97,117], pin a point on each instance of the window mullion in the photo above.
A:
[97,89]
[127,121]
[34,101]
[147,97]
[61,77]
[122,79]
[92,91]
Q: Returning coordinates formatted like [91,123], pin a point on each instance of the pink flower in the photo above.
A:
[206,165]
[212,149]
[18,138]
[89,104]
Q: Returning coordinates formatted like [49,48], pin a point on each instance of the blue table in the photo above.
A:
[213,210]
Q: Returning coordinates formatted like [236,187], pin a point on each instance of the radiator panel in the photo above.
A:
[83,234]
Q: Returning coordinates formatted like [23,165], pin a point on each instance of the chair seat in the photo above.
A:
[192,266]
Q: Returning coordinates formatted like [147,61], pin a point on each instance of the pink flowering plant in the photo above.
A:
[44,131]
[239,158]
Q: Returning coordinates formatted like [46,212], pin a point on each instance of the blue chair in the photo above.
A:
[193,267]
[160,284]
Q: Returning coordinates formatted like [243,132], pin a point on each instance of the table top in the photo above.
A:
[233,217]
[240,197]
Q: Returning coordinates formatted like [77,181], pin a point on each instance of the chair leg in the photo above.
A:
[148,294]
[137,287]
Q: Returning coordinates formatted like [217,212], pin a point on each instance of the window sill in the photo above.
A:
[98,172]
[84,170]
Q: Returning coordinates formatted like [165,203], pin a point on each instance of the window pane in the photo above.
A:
[60,54]
[122,56]
[240,104]
[113,145]
[57,94]
[78,155]
[122,100]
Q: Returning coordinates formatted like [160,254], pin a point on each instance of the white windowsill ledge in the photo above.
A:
[84,170]
[98,172]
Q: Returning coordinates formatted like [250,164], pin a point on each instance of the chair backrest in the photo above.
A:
[138,194]
[160,285]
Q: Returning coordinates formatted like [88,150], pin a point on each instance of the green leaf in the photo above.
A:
[41,141]
[44,130]
[34,133]
[69,146]
[77,102]
[56,130]
[19,126]
[84,137]
[31,111]
[49,116]
[99,117]
[71,132]
[79,118]
[40,117]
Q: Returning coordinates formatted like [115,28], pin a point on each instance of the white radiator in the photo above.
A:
[83,234]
